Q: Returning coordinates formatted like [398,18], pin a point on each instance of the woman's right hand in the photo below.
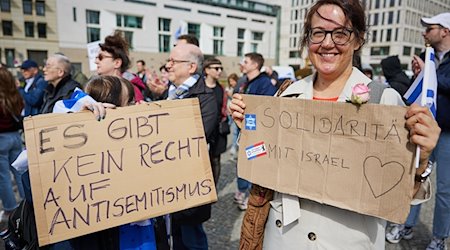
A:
[98,108]
[237,108]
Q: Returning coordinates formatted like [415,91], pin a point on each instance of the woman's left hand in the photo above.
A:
[423,131]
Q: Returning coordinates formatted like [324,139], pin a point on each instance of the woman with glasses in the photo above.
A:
[113,60]
[333,31]
[212,68]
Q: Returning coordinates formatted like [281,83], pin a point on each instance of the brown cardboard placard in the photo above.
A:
[139,162]
[357,158]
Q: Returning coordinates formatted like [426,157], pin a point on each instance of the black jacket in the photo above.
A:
[63,90]
[394,74]
[208,108]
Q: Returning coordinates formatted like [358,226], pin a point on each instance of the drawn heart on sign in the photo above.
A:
[372,173]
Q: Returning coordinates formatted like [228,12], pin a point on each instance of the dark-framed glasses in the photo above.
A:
[339,36]
[100,57]
[217,68]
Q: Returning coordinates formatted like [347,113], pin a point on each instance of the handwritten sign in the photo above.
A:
[355,158]
[140,162]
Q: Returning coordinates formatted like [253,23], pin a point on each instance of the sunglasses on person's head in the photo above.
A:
[217,68]
[100,57]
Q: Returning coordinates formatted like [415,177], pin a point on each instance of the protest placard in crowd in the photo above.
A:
[353,157]
[139,162]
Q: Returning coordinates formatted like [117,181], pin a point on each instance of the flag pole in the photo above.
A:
[423,97]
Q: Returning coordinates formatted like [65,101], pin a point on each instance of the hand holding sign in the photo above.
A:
[134,164]
[355,158]
[423,129]
[237,108]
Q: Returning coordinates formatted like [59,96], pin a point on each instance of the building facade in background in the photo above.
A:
[227,29]
[394,29]
[29,30]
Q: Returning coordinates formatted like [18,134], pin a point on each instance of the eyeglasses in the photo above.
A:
[49,66]
[217,68]
[339,36]
[100,57]
[430,28]
[173,61]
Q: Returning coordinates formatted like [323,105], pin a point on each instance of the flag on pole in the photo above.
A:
[182,29]
[423,90]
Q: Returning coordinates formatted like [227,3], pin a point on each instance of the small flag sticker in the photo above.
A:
[256,150]
[250,121]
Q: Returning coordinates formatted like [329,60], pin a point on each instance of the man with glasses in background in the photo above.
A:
[61,85]
[184,68]
[437,35]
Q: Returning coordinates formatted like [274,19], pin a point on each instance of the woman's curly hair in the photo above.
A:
[117,46]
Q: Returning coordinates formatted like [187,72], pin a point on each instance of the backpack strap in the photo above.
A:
[376,91]
[286,83]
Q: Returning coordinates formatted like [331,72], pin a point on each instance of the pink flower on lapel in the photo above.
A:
[360,94]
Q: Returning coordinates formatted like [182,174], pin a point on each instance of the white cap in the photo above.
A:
[442,19]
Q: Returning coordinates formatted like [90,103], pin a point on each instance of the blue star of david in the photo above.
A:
[250,122]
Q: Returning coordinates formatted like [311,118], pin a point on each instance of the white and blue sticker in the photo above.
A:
[250,121]
[256,150]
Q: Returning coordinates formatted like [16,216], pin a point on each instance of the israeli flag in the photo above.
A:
[182,29]
[74,104]
[423,90]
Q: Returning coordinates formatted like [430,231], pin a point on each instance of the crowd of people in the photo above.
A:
[333,34]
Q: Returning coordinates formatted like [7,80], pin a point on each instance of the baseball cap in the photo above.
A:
[28,64]
[442,19]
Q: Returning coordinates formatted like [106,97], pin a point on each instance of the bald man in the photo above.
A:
[184,67]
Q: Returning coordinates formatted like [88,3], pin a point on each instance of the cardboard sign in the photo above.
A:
[93,49]
[140,162]
[355,158]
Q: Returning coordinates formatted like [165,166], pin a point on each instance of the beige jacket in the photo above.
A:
[296,223]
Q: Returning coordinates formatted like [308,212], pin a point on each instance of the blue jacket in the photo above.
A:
[443,93]
[35,95]
[261,85]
